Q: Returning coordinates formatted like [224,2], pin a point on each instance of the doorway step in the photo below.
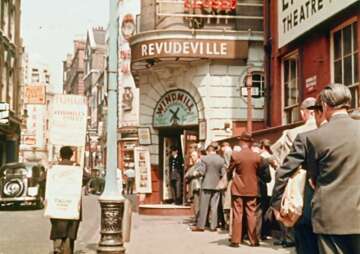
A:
[165,210]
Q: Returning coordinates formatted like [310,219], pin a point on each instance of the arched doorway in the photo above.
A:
[176,116]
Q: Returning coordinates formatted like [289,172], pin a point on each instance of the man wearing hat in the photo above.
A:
[305,239]
[210,195]
[332,159]
[281,148]
[245,168]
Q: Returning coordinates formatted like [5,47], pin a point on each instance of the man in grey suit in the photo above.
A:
[332,157]
[210,195]
[281,149]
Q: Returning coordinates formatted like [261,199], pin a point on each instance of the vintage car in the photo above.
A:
[22,183]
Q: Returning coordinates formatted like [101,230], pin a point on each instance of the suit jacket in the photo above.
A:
[246,167]
[332,154]
[296,158]
[214,170]
[282,146]
[175,167]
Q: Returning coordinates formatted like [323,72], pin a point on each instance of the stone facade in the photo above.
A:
[215,87]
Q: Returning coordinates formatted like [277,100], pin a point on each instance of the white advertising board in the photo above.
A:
[295,17]
[68,116]
[63,192]
[142,170]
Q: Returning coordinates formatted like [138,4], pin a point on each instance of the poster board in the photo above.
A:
[63,192]
[142,170]
[35,94]
[68,116]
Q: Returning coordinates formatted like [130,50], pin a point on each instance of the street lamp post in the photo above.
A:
[249,101]
[112,200]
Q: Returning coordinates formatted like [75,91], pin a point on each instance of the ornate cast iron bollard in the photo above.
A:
[111,227]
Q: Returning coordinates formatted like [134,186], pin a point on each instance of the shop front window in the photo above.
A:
[290,90]
[345,58]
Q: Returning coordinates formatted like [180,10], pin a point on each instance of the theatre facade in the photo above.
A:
[190,62]
[308,45]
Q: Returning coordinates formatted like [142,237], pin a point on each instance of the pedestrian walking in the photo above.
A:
[176,173]
[130,180]
[332,158]
[210,195]
[194,178]
[246,167]
[64,232]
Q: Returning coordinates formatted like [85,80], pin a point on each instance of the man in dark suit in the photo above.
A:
[331,155]
[245,168]
[210,195]
[176,173]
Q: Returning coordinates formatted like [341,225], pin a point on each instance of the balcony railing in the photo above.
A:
[202,14]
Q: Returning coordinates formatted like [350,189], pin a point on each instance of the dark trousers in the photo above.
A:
[263,227]
[241,206]
[208,199]
[176,190]
[130,185]
[305,240]
[339,244]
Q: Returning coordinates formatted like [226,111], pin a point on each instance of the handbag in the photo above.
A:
[292,201]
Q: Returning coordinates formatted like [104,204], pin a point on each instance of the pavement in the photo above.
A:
[26,231]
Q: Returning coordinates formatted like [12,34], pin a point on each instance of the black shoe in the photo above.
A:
[278,242]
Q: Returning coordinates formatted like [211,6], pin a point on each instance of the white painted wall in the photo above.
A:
[215,86]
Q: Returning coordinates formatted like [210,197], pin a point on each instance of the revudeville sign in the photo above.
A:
[295,17]
[176,108]
[164,48]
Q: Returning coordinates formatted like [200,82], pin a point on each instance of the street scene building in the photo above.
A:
[73,69]
[180,126]
[10,61]
[307,49]
[190,66]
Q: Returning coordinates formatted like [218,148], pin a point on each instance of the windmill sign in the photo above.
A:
[176,108]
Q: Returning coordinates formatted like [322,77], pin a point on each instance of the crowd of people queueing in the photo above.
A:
[241,188]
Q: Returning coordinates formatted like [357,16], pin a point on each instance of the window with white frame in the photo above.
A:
[290,89]
[345,58]
[258,82]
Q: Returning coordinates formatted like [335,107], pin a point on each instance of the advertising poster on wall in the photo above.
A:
[35,94]
[35,123]
[63,192]
[142,170]
[128,93]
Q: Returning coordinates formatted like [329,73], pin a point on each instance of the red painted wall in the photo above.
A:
[314,57]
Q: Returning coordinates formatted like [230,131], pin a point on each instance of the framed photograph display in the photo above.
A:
[144,136]
[142,170]
[202,130]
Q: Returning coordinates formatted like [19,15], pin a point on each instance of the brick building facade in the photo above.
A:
[73,69]
[308,46]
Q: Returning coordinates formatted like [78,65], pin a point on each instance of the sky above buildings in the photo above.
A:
[50,26]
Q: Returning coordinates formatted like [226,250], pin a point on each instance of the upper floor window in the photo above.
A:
[290,89]
[345,58]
